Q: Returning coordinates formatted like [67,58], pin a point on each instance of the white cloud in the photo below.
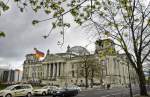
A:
[22,37]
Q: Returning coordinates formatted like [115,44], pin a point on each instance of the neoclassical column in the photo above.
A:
[63,67]
[47,70]
[57,69]
[53,69]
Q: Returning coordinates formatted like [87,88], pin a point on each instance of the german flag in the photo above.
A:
[38,54]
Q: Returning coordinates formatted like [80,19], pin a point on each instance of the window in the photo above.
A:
[18,87]
[73,75]
[81,72]
[59,68]
[72,66]
[114,60]
[26,86]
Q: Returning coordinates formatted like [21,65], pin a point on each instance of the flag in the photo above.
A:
[38,54]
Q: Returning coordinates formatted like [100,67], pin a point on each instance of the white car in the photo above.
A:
[46,90]
[17,90]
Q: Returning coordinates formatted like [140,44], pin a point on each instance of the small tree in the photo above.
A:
[85,66]
[90,67]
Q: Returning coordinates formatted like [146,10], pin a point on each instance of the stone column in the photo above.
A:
[53,69]
[51,74]
[62,69]
[57,69]
[47,71]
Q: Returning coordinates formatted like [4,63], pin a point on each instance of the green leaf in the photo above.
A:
[101,13]
[2,34]
[35,10]
[97,3]
[34,22]
[107,33]
[41,3]
[54,25]
[55,6]
[109,2]
[105,8]
[148,21]
[81,15]
[21,9]
[136,20]
[59,24]
[25,4]
[74,12]
[5,8]
[47,11]
[125,34]
[67,25]
[55,14]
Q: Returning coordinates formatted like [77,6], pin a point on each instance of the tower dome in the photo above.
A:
[79,50]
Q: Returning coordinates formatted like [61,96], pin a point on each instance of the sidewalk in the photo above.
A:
[102,89]
[138,95]
[89,88]
[98,88]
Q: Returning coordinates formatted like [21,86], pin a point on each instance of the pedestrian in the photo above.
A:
[108,86]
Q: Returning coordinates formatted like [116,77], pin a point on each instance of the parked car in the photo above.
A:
[46,90]
[17,90]
[53,89]
[65,92]
[76,87]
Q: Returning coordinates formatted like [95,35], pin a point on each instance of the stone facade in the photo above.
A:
[77,65]
[10,76]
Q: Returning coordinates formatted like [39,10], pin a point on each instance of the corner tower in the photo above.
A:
[105,46]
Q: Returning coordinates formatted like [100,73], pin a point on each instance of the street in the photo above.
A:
[114,92]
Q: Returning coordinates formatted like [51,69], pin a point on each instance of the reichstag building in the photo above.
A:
[78,66]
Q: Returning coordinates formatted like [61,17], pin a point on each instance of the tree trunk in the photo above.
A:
[142,83]
[92,76]
[86,78]
[86,82]
[86,74]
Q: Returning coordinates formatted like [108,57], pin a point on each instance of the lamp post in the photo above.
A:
[130,87]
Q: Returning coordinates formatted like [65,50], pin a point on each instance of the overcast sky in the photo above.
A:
[22,37]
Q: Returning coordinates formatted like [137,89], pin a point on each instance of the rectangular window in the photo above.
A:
[59,68]
[72,66]
[51,70]
[73,75]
